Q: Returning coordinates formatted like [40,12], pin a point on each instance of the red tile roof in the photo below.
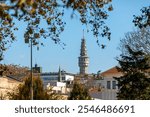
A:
[113,70]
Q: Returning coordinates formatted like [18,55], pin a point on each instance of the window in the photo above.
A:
[114,84]
[55,78]
[45,78]
[63,78]
[108,85]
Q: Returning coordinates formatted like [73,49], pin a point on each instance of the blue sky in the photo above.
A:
[52,56]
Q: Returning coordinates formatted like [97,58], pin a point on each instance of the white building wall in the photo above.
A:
[69,78]
[109,93]
[58,87]
[7,85]
[54,77]
[105,93]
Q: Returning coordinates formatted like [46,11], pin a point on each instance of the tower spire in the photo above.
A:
[59,75]
[83,33]
[83,58]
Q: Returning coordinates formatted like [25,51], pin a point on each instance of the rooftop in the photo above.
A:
[110,71]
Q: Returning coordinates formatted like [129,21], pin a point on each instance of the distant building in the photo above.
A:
[60,76]
[7,84]
[37,69]
[83,58]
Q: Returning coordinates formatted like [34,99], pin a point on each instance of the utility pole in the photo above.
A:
[31,88]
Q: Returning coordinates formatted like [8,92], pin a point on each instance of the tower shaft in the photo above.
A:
[83,58]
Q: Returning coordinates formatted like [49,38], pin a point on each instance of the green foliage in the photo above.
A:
[39,93]
[79,92]
[12,70]
[135,82]
[37,12]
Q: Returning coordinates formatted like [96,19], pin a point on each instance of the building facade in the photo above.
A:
[7,84]
[59,81]
[107,84]
[60,76]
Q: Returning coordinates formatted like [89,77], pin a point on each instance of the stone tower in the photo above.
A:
[83,58]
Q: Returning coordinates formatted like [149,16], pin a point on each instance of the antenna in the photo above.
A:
[35,60]
[83,33]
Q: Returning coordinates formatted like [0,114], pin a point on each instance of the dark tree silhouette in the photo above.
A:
[135,82]
[144,19]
